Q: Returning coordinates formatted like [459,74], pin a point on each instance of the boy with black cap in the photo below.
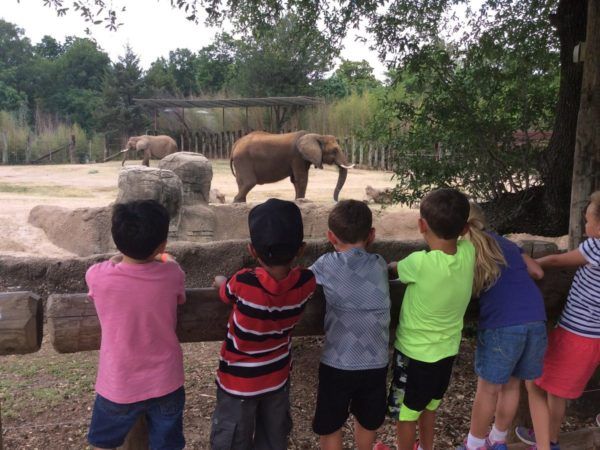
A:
[253,409]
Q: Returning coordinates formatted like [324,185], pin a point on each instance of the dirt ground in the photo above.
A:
[93,185]
[90,185]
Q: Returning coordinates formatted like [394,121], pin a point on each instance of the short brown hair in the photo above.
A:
[351,221]
[446,212]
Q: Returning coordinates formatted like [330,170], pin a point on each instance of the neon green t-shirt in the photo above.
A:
[437,294]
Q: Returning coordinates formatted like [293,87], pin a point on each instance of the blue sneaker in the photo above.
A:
[496,445]
[526,435]
[463,446]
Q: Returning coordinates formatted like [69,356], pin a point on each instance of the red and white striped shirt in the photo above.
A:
[255,356]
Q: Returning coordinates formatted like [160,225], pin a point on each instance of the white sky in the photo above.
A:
[151,28]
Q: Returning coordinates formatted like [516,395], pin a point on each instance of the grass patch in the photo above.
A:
[36,383]
[43,191]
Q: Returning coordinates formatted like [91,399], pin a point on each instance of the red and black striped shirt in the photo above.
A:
[255,356]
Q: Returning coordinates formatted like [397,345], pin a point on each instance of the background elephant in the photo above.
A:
[260,158]
[152,146]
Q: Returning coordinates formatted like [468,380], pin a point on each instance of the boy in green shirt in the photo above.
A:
[439,283]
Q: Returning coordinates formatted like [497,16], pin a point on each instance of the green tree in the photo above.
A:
[74,89]
[159,80]
[48,48]
[183,64]
[122,83]
[284,60]
[15,54]
[215,63]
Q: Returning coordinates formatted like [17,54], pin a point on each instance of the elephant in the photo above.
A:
[261,157]
[152,146]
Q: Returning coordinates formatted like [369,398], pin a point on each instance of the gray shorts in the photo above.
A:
[261,423]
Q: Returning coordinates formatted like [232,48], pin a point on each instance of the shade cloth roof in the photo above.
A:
[228,103]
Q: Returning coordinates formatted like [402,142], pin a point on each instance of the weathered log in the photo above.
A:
[20,323]
[73,325]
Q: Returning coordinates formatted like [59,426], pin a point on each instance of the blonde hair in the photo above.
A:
[488,255]
[595,200]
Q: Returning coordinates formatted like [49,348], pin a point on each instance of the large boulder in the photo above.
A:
[83,231]
[195,172]
[149,183]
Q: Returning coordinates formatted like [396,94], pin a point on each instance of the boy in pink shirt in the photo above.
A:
[141,363]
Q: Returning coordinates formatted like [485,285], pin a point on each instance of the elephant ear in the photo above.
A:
[141,144]
[309,147]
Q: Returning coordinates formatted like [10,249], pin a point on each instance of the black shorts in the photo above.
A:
[417,385]
[360,392]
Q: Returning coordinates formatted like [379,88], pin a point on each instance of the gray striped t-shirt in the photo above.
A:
[357,315]
[581,314]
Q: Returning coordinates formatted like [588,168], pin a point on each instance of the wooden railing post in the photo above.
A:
[137,439]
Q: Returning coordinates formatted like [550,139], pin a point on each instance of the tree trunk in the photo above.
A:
[557,160]
[586,168]
[545,210]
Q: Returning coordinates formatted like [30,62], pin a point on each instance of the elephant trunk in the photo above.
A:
[342,163]
[340,183]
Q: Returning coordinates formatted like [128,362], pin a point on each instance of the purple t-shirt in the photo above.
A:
[140,355]
[514,299]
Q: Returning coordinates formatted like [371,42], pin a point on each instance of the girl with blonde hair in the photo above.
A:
[511,339]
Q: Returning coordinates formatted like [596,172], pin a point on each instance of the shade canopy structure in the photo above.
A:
[228,103]
[283,107]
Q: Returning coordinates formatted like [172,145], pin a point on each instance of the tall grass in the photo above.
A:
[26,144]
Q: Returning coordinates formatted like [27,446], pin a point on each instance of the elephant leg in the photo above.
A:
[300,180]
[245,184]
[146,161]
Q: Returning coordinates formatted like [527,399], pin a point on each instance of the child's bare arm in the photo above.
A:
[393,270]
[533,268]
[574,258]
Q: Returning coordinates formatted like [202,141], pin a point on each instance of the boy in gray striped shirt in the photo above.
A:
[353,368]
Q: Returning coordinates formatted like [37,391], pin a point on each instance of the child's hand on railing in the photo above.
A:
[164,257]
[219,281]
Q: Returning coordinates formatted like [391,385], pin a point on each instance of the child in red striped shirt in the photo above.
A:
[253,408]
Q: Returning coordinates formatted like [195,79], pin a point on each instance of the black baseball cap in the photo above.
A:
[276,228]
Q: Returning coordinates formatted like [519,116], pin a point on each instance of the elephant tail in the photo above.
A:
[231,166]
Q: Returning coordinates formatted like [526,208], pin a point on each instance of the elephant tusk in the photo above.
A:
[347,167]
[124,150]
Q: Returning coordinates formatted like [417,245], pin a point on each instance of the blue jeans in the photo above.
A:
[514,351]
[112,421]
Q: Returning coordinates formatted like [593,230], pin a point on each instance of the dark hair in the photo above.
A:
[351,221]
[446,212]
[139,227]
[276,231]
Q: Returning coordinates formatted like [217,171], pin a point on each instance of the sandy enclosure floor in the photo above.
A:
[94,185]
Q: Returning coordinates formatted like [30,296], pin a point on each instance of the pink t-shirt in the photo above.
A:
[140,355]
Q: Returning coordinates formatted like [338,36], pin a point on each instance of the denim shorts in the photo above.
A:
[514,351]
[112,421]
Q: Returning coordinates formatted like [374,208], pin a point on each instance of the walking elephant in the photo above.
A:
[152,146]
[260,158]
